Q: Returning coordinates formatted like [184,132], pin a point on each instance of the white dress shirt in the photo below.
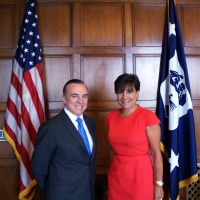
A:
[73,119]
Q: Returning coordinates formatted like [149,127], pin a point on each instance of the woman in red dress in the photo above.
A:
[134,133]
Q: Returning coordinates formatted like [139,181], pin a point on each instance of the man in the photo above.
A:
[61,163]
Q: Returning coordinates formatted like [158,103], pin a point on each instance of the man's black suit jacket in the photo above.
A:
[60,162]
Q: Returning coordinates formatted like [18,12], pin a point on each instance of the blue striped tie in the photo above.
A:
[82,132]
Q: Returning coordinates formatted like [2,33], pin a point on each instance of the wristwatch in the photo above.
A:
[160,183]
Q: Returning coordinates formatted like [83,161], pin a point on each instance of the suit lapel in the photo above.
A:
[71,128]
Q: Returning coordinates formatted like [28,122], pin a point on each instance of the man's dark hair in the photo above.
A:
[76,81]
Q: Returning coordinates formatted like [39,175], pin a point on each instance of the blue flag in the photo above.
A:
[174,108]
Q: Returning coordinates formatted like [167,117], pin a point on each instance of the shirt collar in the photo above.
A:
[72,116]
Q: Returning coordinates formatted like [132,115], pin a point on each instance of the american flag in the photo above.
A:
[175,110]
[25,105]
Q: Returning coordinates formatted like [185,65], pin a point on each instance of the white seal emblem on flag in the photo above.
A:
[174,93]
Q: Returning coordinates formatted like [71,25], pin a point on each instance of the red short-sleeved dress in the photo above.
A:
[130,176]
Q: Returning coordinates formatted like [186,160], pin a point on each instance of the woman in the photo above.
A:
[134,132]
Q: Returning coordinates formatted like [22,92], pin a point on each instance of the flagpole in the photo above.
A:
[168,10]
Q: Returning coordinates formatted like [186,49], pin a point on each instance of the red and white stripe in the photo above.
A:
[24,114]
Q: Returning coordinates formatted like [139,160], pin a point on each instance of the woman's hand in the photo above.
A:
[158,192]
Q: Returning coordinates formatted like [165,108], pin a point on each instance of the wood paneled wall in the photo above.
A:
[95,40]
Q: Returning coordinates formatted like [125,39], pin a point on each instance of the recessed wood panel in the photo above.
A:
[197,131]
[2,119]
[5,77]
[6,150]
[147,69]
[99,73]
[103,147]
[52,113]
[38,194]
[9,188]
[193,64]
[54,25]
[191,26]
[6,27]
[7,2]
[56,72]
[101,25]
[148,25]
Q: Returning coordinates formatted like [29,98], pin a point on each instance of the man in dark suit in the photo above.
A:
[62,165]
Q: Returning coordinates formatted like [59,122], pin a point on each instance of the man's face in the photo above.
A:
[76,98]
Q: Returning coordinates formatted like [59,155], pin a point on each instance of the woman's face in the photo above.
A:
[127,99]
